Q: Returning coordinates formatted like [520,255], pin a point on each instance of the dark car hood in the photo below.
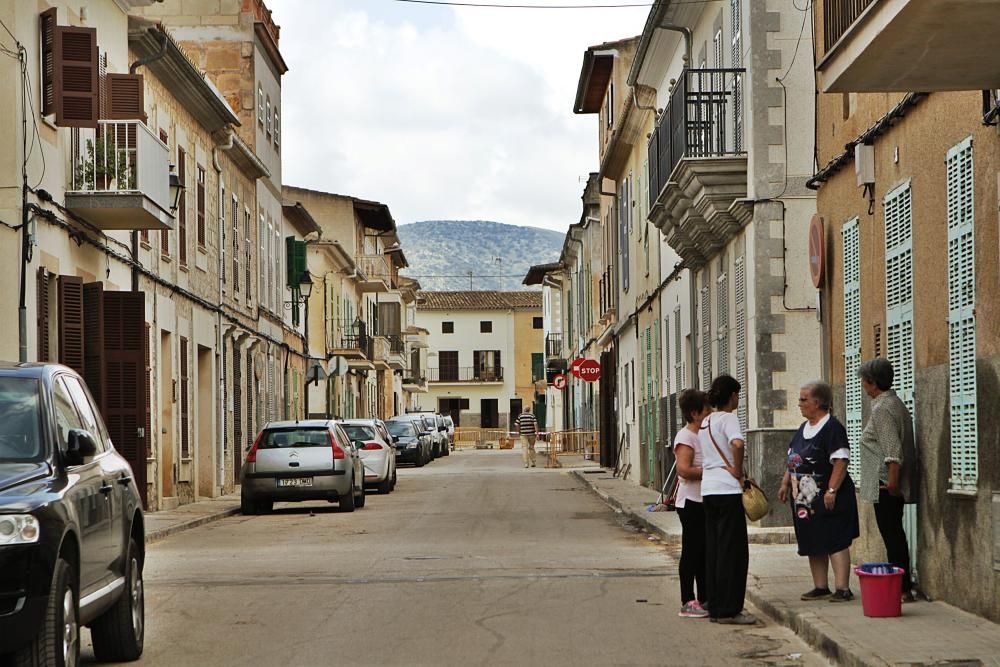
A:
[14,474]
[405,440]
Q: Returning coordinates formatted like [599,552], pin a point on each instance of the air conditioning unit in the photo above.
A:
[864,164]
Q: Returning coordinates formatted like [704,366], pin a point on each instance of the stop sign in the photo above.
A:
[588,371]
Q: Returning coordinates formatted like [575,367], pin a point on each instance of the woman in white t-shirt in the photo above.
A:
[687,452]
[726,548]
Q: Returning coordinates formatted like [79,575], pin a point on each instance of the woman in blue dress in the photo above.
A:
[824,506]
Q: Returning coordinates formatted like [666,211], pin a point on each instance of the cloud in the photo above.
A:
[442,113]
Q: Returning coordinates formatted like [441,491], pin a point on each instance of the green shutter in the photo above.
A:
[295,260]
[537,366]
[852,341]
[962,318]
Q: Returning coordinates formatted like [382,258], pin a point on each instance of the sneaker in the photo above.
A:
[842,596]
[907,597]
[692,609]
[742,618]
[816,594]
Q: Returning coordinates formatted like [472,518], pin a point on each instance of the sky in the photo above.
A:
[443,113]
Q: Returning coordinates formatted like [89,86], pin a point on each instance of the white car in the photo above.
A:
[378,456]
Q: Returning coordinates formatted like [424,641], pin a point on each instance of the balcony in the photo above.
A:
[380,352]
[415,382]
[698,164]
[553,346]
[397,352]
[463,374]
[607,289]
[350,346]
[376,273]
[120,177]
[907,45]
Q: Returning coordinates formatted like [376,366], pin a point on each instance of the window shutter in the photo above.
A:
[247,253]
[678,359]
[185,438]
[125,97]
[740,297]
[76,92]
[200,205]
[236,457]
[47,27]
[71,322]
[182,207]
[722,310]
[961,318]
[706,341]
[292,278]
[93,340]
[852,341]
[737,63]
[899,291]
[666,355]
[42,297]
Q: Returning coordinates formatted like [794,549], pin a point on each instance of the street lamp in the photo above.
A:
[301,295]
[176,188]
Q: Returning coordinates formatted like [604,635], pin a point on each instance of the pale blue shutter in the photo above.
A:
[961,318]
[666,355]
[740,285]
[899,290]
[722,315]
[678,352]
[852,341]
[737,57]
[706,340]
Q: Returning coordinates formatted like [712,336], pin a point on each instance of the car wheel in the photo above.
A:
[393,487]
[58,642]
[247,506]
[447,450]
[118,633]
[265,506]
[360,500]
[420,459]
[347,502]
[385,486]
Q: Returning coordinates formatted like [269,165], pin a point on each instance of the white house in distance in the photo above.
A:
[485,352]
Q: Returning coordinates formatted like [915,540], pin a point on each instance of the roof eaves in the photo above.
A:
[302,218]
[245,158]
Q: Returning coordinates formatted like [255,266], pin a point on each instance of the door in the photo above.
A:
[448,365]
[515,410]
[489,413]
[84,492]
[166,427]
[451,407]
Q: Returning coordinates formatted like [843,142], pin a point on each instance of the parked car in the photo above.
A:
[437,430]
[71,524]
[378,456]
[446,434]
[450,423]
[413,445]
[293,461]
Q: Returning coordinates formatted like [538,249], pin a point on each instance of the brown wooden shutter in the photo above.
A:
[165,234]
[125,97]
[182,207]
[237,411]
[148,424]
[476,363]
[126,344]
[93,341]
[71,322]
[185,438]
[47,26]
[42,296]
[201,206]
[75,77]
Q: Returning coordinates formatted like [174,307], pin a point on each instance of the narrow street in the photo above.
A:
[472,560]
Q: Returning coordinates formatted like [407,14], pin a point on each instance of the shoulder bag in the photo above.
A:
[755,504]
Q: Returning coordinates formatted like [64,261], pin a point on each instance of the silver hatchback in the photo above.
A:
[302,460]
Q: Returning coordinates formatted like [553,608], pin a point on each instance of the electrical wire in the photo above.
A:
[493,5]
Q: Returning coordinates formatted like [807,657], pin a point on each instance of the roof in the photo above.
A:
[298,214]
[538,272]
[598,66]
[374,215]
[479,300]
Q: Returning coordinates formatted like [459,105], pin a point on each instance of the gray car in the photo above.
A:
[302,460]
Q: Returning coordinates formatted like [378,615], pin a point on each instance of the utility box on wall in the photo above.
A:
[864,164]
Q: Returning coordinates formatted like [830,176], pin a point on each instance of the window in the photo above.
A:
[448,327]
[962,376]
[722,312]
[85,407]
[486,326]
[852,337]
[236,244]
[222,227]
[899,290]
[740,288]
[609,111]
[66,415]
[537,366]
[448,365]
[537,323]
[263,239]
[267,118]
[201,207]
[277,130]
[260,105]
[182,207]
[165,234]
[706,340]
[247,249]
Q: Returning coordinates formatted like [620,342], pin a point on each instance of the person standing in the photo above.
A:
[527,428]
[727,551]
[687,452]
[888,463]
[824,509]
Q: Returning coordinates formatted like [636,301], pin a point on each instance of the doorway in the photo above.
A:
[204,410]
[451,407]
[515,410]
[166,417]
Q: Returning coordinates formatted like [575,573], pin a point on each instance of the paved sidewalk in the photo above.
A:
[167,522]
[928,633]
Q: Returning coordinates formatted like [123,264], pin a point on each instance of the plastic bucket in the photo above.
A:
[881,590]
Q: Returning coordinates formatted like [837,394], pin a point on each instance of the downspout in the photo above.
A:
[220,342]
[133,68]
[688,40]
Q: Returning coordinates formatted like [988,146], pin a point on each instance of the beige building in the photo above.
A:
[908,203]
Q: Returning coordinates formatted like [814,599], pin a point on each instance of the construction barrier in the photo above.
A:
[555,443]
[482,438]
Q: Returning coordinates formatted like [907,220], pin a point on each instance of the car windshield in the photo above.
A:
[20,439]
[400,429]
[294,437]
[358,432]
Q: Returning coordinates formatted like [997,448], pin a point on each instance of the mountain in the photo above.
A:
[441,253]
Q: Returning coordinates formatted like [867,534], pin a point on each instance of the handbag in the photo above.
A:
[755,504]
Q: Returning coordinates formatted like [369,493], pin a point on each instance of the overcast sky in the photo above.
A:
[443,112]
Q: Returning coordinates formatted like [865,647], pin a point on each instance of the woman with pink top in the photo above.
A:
[694,408]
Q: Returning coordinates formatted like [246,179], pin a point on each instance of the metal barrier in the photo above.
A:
[556,443]
[482,438]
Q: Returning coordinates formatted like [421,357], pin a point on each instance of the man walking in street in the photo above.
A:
[527,427]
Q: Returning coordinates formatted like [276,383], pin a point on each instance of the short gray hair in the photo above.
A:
[877,371]
[822,392]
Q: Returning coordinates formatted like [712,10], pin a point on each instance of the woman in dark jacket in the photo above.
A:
[824,507]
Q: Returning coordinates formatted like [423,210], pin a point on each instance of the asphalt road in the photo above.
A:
[473,560]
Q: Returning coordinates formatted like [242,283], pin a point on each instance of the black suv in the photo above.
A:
[71,524]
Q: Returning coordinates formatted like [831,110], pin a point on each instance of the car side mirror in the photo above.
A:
[395,438]
[80,446]
[442,428]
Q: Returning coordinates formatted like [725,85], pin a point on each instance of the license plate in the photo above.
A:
[296,481]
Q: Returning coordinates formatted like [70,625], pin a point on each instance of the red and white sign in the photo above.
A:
[576,364]
[588,371]
[559,382]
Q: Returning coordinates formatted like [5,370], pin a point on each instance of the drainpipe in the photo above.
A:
[220,344]
[688,39]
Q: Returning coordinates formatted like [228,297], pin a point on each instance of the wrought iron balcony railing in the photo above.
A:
[466,374]
[839,16]
[553,345]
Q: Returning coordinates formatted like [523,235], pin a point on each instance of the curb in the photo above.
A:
[755,535]
[163,533]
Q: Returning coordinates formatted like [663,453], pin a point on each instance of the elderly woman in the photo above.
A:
[824,509]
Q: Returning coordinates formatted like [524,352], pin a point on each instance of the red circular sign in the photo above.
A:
[588,371]
[576,364]
[559,382]
[817,251]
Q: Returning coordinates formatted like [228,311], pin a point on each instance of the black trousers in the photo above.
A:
[727,554]
[692,567]
[889,516]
